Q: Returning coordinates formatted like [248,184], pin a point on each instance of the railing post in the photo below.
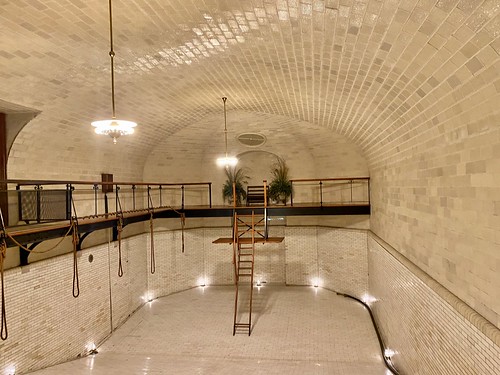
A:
[150,202]
[234,195]
[159,189]
[117,198]
[72,205]
[369,192]
[38,204]
[210,194]
[19,202]
[265,193]
[182,195]
[95,187]
[106,206]
[69,189]
[266,229]
[321,193]
[133,196]
[291,194]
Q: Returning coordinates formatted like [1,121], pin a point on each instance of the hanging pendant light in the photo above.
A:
[226,161]
[113,127]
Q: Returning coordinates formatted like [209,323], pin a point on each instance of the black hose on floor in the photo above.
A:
[389,365]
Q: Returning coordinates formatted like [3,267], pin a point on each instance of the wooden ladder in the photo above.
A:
[244,260]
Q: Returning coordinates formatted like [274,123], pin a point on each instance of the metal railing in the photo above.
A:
[330,191]
[38,201]
[44,201]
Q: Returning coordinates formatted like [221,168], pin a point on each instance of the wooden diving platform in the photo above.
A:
[247,240]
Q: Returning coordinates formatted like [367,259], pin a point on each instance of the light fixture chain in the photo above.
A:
[112,56]
[226,161]
[113,127]
[225,122]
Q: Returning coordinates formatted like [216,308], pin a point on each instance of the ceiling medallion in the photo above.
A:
[251,139]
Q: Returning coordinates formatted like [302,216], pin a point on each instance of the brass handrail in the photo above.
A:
[328,179]
[76,182]
[320,181]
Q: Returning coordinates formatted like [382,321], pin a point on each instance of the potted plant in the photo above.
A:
[238,177]
[280,188]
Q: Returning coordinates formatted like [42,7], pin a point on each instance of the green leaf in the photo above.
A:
[239,178]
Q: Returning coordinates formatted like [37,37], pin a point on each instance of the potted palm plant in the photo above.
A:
[280,187]
[238,177]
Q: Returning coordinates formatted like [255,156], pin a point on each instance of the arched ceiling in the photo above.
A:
[385,74]
[310,151]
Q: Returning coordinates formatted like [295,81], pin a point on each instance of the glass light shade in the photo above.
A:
[114,128]
[227,161]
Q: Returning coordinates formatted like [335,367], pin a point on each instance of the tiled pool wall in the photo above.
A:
[47,325]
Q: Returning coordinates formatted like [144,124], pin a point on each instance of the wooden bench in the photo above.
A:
[255,195]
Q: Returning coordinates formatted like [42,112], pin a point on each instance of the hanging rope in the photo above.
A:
[151,227]
[3,253]
[76,240]
[76,282]
[183,223]
[39,251]
[151,230]
[119,229]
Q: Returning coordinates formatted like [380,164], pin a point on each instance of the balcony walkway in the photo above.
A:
[32,233]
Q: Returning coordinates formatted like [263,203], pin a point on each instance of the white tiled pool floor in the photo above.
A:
[296,330]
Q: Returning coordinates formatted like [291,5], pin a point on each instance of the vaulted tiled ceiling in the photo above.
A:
[383,73]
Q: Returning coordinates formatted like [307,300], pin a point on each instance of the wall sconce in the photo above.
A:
[316,282]
[202,282]
[368,299]
[148,297]
[92,349]
[389,353]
